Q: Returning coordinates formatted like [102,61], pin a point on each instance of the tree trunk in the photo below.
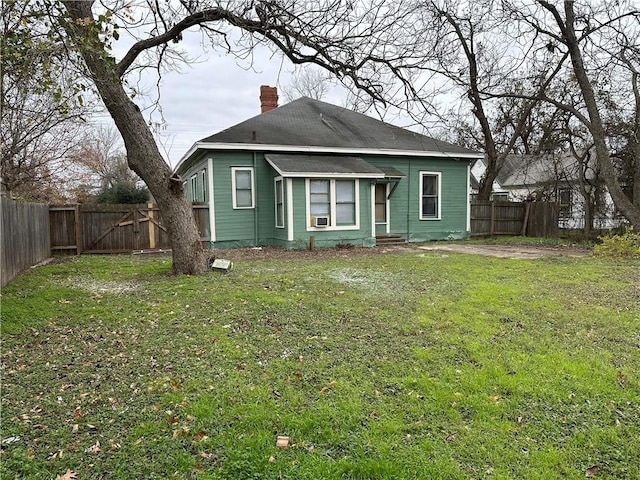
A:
[621,201]
[485,187]
[143,155]
[635,141]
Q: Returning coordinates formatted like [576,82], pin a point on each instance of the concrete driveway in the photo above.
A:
[509,251]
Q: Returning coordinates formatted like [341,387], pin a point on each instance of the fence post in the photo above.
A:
[527,208]
[493,219]
[152,227]
[78,227]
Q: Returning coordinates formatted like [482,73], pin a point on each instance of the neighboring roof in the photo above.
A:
[291,165]
[521,170]
[315,126]
[527,170]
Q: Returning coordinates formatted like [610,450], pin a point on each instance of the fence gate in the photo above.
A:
[120,228]
[107,228]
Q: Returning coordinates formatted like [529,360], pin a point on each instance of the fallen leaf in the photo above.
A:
[592,471]
[68,475]
[495,398]
[206,454]
[55,455]
[95,448]
[329,386]
[199,436]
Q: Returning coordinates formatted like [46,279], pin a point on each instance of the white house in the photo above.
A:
[554,178]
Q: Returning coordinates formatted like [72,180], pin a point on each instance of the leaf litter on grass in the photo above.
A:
[177,392]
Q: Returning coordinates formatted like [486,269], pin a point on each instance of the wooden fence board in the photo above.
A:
[114,228]
[24,236]
[535,219]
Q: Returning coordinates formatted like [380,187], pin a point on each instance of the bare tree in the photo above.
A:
[307,82]
[598,37]
[470,45]
[41,116]
[101,155]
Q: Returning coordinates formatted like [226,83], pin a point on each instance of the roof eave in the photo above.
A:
[319,149]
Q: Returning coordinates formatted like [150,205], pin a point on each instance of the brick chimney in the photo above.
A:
[268,98]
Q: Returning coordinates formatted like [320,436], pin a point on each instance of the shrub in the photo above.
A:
[124,193]
[624,245]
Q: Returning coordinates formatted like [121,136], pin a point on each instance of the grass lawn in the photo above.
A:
[395,366]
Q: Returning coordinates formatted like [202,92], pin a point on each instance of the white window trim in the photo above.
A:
[332,202]
[282,193]
[203,180]
[194,188]
[289,209]
[212,206]
[439,213]
[233,187]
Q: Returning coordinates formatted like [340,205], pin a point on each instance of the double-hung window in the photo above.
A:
[320,197]
[203,181]
[242,187]
[194,188]
[345,202]
[336,199]
[279,191]
[564,198]
[430,201]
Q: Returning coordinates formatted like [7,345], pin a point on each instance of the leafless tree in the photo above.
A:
[470,44]
[600,38]
[307,82]
[41,118]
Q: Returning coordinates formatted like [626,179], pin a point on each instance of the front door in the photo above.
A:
[382,210]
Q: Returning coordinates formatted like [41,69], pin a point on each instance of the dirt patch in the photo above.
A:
[510,251]
[269,253]
[504,251]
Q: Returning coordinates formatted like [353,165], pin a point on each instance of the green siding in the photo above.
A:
[405,201]
[238,225]
[326,238]
[256,226]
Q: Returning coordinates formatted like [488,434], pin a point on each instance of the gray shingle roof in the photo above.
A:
[307,122]
[293,164]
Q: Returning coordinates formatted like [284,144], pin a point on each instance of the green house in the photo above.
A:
[312,172]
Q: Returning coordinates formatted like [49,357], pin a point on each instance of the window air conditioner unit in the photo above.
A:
[320,221]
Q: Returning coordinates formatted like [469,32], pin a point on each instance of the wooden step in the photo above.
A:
[390,239]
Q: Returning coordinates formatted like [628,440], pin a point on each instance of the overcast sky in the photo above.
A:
[212,94]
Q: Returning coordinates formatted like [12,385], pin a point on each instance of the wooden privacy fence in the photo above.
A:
[534,219]
[24,237]
[112,228]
